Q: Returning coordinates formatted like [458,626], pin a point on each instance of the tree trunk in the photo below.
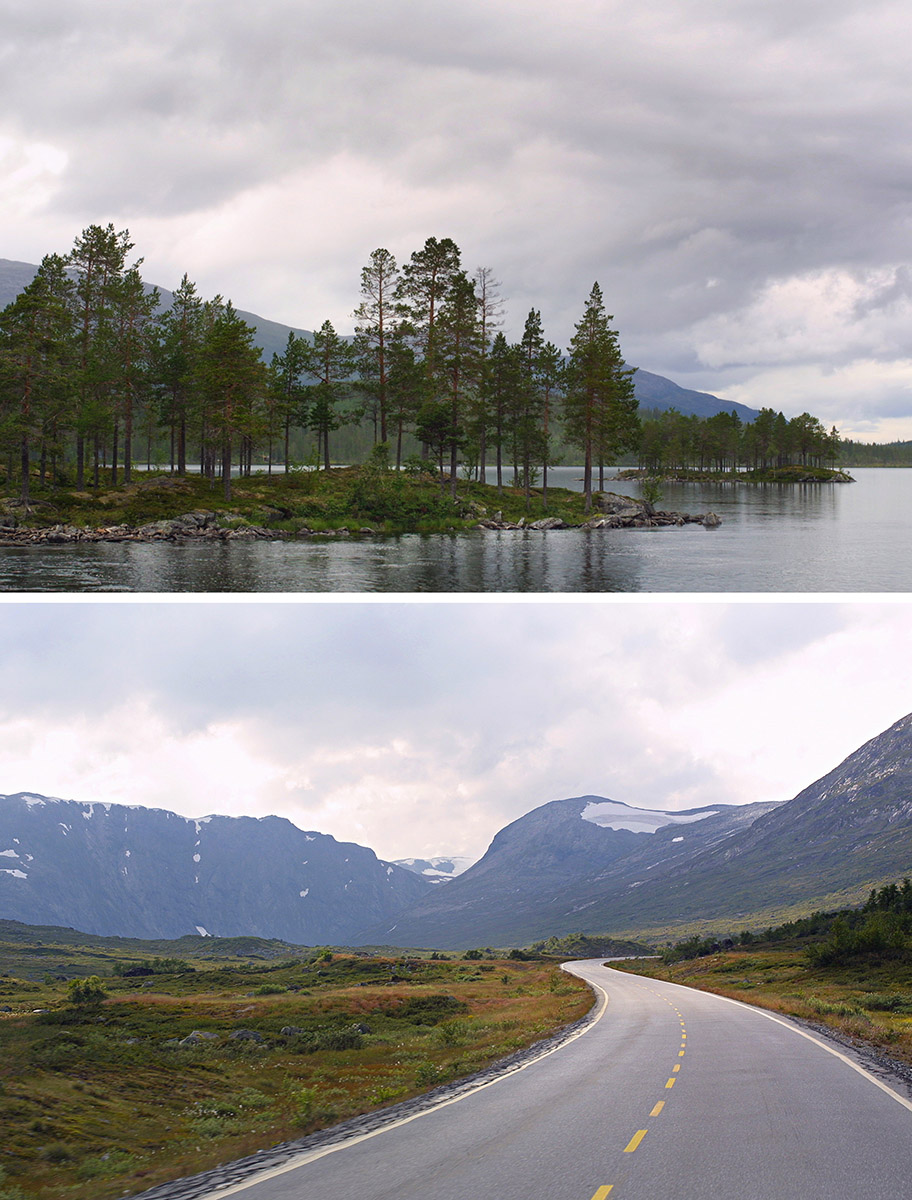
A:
[25,468]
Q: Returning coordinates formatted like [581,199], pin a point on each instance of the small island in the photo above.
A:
[346,501]
[787,474]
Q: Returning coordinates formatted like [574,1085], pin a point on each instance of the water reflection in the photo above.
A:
[774,538]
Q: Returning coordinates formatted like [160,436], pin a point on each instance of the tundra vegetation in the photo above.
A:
[850,969]
[124,1066]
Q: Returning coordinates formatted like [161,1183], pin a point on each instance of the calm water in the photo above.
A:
[773,538]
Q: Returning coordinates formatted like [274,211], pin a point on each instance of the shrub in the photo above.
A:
[428,1010]
[452,1032]
[104,1166]
[86,991]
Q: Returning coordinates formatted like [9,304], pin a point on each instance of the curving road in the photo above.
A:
[671,1093]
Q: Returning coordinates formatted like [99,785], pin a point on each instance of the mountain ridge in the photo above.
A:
[115,869]
[849,831]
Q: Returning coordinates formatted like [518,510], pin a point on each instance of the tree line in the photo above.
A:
[93,373]
[671,441]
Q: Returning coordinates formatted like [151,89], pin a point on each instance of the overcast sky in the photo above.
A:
[424,728]
[736,175]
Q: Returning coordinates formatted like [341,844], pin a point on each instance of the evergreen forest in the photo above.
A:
[97,378]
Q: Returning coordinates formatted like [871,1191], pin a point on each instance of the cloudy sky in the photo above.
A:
[737,176]
[421,729]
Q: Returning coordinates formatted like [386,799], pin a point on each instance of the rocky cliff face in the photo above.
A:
[110,869]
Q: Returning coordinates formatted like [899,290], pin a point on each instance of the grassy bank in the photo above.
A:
[345,498]
[109,1085]
[868,999]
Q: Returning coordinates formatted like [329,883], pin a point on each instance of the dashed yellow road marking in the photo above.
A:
[680,1054]
[671,1082]
[603,1192]
[658,1108]
[675,1068]
[635,1141]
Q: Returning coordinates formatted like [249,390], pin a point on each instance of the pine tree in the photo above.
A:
[504,381]
[426,280]
[287,395]
[490,312]
[179,334]
[134,311]
[599,404]
[376,318]
[98,258]
[332,362]
[231,379]
[457,356]
[36,361]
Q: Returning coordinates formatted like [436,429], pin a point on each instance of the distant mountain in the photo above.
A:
[271,336]
[548,873]
[652,391]
[595,865]
[655,391]
[435,870]
[138,872]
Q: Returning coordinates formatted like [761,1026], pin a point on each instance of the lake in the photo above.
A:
[773,538]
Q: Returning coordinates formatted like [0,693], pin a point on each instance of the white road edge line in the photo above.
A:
[762,1012]
[301,1160]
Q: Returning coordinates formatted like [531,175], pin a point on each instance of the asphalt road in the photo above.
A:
[671,1093]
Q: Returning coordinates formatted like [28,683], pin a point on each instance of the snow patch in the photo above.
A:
[203,932]
[15,872]
[8,854]
[309,838]
[304,893]
[66,828]
[389,870]
[34,801]
[196,858]
[677,839]
[610,815]
[128,853]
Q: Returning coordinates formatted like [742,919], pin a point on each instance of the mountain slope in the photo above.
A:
[549,871]
[655,391]
[109,869]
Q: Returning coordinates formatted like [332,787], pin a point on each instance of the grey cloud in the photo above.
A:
[684,156]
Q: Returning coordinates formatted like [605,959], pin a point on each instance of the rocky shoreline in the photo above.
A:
[614,512]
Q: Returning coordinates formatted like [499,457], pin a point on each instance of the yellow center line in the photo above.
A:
[680,1054]
[671,1082]
[675,1068]
[658,1108]
[603,1192]
[635,1141]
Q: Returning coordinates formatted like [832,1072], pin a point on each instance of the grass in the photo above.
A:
[345,499]
[869,1000]
[107,1099]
